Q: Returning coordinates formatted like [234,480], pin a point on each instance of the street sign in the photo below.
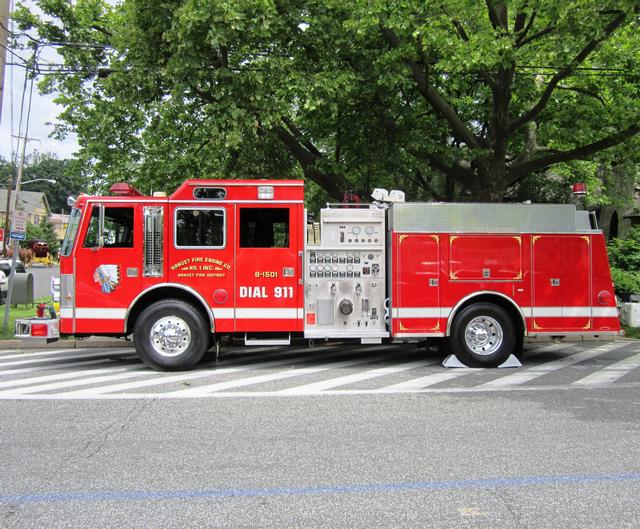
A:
[19,225]
[19,220]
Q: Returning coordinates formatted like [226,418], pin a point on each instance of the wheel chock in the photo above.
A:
[453,361]
[512,361]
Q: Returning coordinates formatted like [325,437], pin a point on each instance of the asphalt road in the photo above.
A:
[327,437]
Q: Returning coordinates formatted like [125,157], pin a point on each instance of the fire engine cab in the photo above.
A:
[234,257]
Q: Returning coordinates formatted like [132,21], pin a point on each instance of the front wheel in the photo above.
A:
[171,335]
[483,335]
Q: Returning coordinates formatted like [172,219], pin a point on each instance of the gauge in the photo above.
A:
[312,268]
[349,267]
[356,230]
[369,230]
[335,268]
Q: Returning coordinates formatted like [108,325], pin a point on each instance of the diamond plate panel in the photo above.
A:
[483,218]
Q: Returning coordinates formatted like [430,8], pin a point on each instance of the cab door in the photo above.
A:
[268,268]
[107,269]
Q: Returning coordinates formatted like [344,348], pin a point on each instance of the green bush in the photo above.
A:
[625,253]
[624,256]
[625,283]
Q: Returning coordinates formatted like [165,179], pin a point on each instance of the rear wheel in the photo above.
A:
[171,335]
[483,335]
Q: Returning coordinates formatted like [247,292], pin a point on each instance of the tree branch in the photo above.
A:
[526,29]
[434,98]
[421,180]
[457,172]
[298,134]
[335,185]
[497,17]
[489,81]
[518,25]
[583,152]
[583,91]
[524,41]
[565,72]
[300,153]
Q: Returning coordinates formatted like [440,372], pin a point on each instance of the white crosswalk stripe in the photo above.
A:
[323,385]
[332,369]
[259,379]
[59,376]
[162,378]
[419,383]
[75,356]
[610,373]
[527,375]
[39,388]
[24,354]
[48,367]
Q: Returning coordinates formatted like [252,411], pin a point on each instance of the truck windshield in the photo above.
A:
[70,235]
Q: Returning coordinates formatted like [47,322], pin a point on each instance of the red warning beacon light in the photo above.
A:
[579,189]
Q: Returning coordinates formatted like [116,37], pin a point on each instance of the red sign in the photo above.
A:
[1,234]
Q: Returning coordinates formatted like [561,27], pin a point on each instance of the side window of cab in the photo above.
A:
[116,230]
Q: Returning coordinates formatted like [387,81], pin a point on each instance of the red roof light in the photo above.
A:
[123,189]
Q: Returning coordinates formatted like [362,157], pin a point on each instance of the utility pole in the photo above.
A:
[9,209]
[4,43]
[16,244]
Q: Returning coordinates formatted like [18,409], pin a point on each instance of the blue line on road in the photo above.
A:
[370,488]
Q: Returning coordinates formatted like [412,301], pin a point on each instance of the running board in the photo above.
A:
[267,341]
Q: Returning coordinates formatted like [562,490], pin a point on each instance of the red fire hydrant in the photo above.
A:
[40,310]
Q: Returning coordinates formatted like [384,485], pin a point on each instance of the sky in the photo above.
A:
[43,114]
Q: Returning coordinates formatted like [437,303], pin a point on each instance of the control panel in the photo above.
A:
[345,264]
[355,228]
[345,276]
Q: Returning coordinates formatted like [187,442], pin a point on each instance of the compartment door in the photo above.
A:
[417,297]
[561,283]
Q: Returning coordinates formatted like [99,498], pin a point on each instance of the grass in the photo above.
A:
[631,332]
[17,312]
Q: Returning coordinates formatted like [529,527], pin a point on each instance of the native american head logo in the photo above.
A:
[108,275]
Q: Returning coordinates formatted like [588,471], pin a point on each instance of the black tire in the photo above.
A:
[171,335]
[483,335]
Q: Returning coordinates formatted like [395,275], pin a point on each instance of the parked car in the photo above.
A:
[4,287]
[5,266]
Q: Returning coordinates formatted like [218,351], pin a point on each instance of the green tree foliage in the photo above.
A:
[68,180]
[624,256]
[457,99]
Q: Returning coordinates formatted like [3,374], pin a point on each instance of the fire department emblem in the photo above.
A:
[108,275]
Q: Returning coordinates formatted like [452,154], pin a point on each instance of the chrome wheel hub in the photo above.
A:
[483,335]
[170,336]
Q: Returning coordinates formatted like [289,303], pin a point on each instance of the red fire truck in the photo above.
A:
[233,257]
